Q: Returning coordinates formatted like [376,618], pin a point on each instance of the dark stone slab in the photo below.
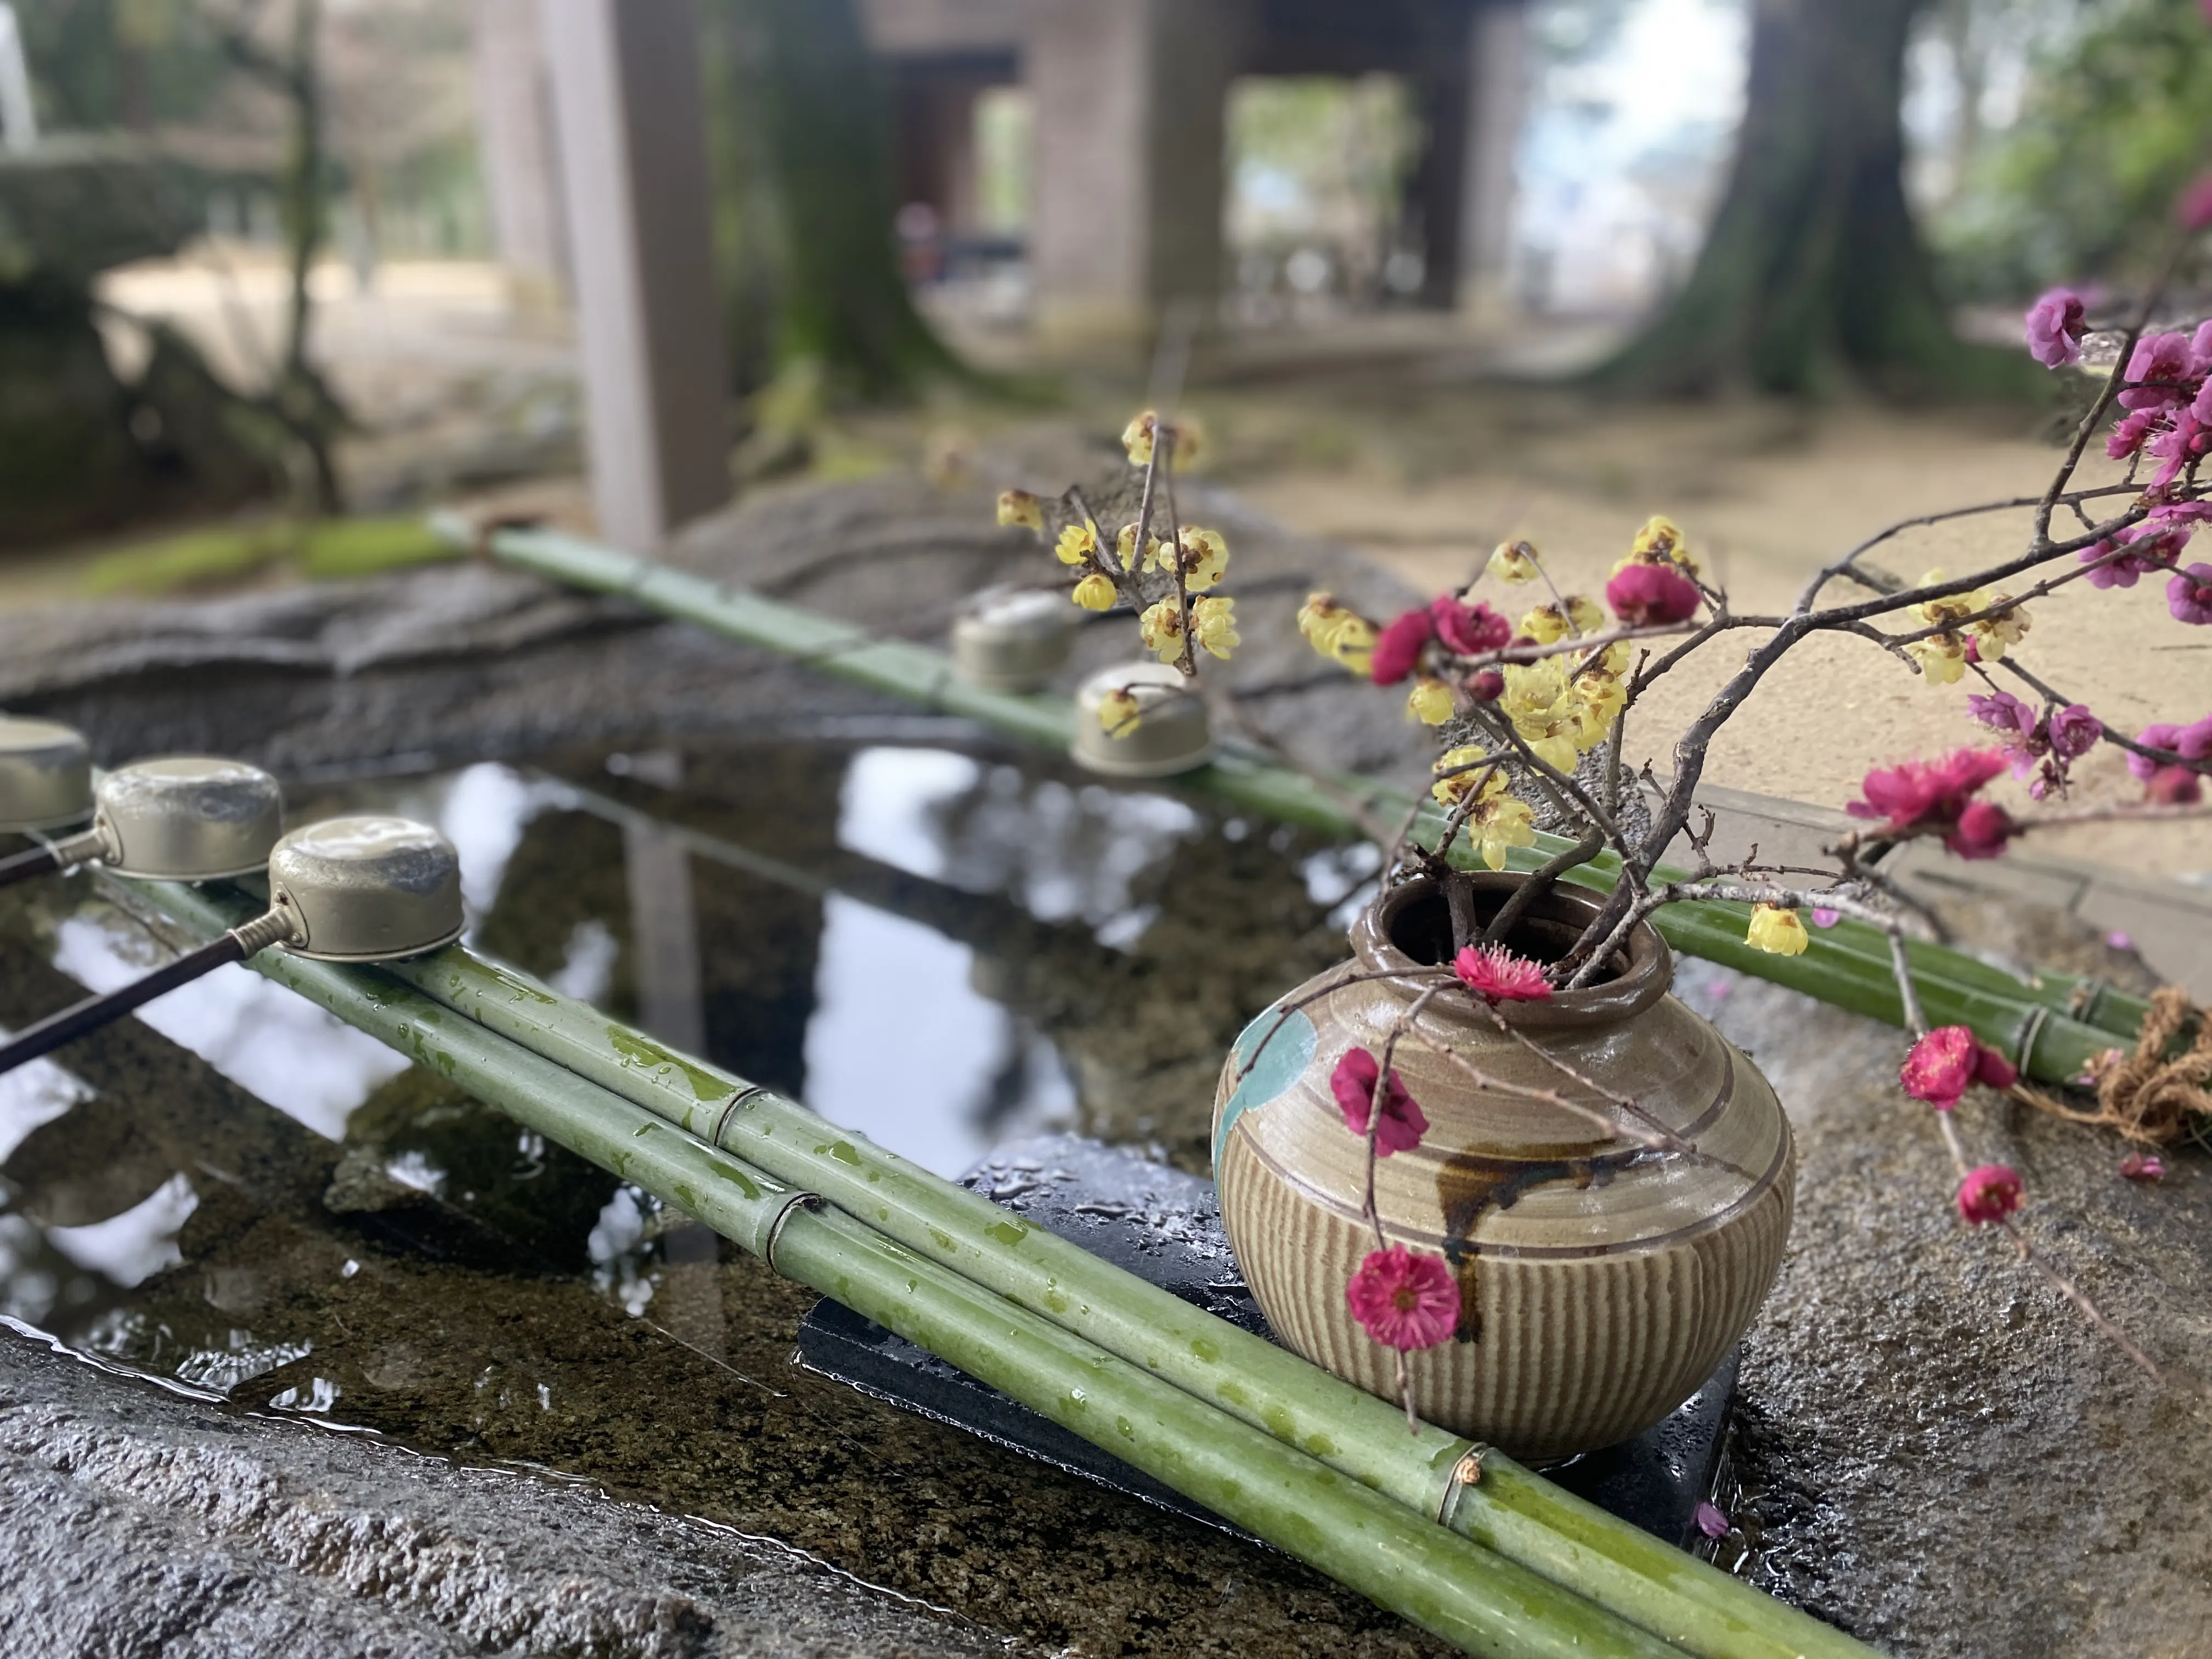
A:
[1165,1226]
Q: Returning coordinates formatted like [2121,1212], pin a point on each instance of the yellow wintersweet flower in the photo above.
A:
[1951,608]
[1162,628]
[1546,711]
[1019,507]
[1095,592]
[1599,700]
[1213,625]
[1778,930]
[1125,550]
[1496,818]
[1660,541]
[1078,544]
[1514,562]
[1338,632]
[1500,820]
[1119,713]
[1942,657]
[1430,702]
[1204,558]
[1547,623]
[1137,439]
[1451,791]
[2008,627]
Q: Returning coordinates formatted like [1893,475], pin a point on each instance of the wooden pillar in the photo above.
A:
[1127,174]
[514,147]
[627,108]
[1497,53]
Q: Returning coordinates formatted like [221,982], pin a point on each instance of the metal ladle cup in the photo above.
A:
[367,889]
[46,775]
[181,817]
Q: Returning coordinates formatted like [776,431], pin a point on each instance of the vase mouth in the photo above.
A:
[1408,936]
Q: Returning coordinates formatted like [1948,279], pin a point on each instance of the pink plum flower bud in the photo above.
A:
[1644,595]
[1988,1193]
[1399,645]
[1982,831]
[1486,685]
[1353,1082]
[1404,1299]
[2055,324]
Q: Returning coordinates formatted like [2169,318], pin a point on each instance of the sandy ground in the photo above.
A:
[1766,496]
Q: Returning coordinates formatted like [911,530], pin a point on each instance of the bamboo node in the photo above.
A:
[792,1206]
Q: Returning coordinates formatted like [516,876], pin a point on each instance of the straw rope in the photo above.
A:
[2148,1096]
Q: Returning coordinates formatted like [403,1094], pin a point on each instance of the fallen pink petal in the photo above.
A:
[1712,1521]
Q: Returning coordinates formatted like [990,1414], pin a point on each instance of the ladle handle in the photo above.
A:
[93,1012]
[22,866]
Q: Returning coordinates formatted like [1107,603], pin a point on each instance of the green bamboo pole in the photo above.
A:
[1521,1517]
[1954,988]
[1469,1595]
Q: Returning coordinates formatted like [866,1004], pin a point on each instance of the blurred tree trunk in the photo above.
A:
[1814,273]
[802,154]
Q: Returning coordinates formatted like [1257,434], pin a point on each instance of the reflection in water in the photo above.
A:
[31,1094]
[307,1064]
[903,1050]
[130,1249]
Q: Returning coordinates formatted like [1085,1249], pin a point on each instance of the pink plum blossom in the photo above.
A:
[2174,785]
[1467,629]
[1643,595]
[2189,595]
[2075,731]
[1988,1193]
[1926,795]
[1943,1062]
[1404,1299]
[1824,917]
[1399,645]
[1353,1082]
[1495,974]
[2160,363]
[2055,324]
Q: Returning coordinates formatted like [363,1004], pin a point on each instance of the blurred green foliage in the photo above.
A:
[2117,118]
[324,549]
[105,64]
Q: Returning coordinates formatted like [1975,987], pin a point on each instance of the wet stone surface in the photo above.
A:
[235,1195]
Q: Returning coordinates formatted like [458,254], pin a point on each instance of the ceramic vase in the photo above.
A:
[1601,1282]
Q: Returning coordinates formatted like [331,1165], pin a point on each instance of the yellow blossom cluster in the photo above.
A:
[1213,628]
[1496,819]
[1338,632]
[1557,716]
[1942,656]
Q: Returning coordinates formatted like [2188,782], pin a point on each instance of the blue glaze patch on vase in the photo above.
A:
[1283,1057]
